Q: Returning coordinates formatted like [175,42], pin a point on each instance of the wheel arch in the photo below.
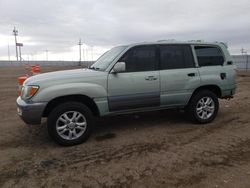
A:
[213,88]
[77,98]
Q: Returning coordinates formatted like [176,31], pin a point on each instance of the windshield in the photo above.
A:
[104,61]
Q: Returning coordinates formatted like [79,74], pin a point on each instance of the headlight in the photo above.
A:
[28,91]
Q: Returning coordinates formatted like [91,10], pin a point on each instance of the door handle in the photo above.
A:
[191,74]
[150,78]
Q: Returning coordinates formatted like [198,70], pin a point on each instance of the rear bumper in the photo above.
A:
[30,112]
[228,93]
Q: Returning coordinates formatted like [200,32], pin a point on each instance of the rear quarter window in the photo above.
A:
[209,55]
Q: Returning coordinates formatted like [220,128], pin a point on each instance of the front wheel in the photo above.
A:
[70,123]
[203,107]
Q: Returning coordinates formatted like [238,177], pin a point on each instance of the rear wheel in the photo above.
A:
[70,123]
[203,107]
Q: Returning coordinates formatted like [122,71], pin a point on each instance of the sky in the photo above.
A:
[56,26]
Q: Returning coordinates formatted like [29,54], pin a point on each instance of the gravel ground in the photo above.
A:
[156,149]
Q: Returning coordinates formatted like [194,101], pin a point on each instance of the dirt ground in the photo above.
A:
[156,149]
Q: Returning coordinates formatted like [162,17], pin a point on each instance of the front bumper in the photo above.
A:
[30,112]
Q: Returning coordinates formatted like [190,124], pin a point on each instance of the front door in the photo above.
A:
[139,85]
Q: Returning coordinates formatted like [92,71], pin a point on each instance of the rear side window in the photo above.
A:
[176,57]
[141,58]
[209,56]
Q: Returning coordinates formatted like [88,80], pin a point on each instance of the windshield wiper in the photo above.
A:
[94,68]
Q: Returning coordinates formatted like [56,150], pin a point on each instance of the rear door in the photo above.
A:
[211,62]
[139,85]
[179,74]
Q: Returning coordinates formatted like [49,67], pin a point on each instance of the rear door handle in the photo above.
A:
[191,74]
[150,78]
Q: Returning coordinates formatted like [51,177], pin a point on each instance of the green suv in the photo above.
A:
[130,78]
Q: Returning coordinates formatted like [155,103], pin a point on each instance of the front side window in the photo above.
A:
[176,57]
[141,58]
[209,56]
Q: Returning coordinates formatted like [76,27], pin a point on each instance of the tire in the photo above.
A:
[70,123]
[203,107]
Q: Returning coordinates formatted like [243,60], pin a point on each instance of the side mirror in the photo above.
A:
[119,67]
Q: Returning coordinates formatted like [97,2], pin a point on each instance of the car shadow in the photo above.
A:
[140,120]
[110,126]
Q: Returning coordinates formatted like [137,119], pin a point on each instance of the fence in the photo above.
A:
[241,61]
[46,63]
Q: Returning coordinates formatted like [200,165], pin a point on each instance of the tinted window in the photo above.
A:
[209,56]
[141,58]
[176,57]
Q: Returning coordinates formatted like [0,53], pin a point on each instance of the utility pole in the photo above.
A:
[92,48]
[15,33]
[20,54]
[243,51]
[8,51]
[247,62]
[80,51]
[83,54]
[46,51]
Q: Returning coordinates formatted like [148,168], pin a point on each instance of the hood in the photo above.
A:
[66,76]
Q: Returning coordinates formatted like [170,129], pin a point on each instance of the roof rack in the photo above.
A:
[199,40]
[225,44]
[166,40]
